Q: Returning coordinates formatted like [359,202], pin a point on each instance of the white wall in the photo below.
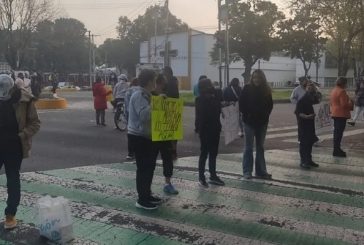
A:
[200,58]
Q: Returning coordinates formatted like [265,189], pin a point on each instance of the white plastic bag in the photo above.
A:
[54,219]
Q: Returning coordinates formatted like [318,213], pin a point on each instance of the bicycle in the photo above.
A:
[120,119]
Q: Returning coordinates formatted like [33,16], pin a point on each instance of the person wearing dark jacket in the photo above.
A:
[255,104]
[171,91]
[164,147]
[208,110]
[306,125]
[232,92]
[100,101]
[19,121]
[196,93]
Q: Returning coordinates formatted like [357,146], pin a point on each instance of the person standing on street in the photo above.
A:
[255,104]
[171,91]
[100,101]
[133,87]
[164,147]
[359,100]
[340,107]
[139,129]
[19,121]
[306,125]
[208,110]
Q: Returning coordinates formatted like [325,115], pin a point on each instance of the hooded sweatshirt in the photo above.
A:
[139,120]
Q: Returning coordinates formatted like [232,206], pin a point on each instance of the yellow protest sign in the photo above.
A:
[166,119]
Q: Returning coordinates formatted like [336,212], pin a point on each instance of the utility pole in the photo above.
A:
[89,58]
[227,48]
[220,50]
[155,37]
[93,59]
[166,45]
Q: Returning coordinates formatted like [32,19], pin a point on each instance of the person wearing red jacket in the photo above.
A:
[100,101]
[340,107]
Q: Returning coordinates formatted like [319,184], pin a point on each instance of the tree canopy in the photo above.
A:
[342,21]
[252,32]
[301,38]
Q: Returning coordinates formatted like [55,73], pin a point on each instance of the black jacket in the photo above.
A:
[171,88]
[230,96]
[255,106]
[208,109]
[306,127]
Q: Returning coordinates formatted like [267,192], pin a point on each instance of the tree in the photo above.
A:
[342,22]
[18,18]
[120,53]
[251,32]
[300,37]
[143,27]
[132,33]
[62,46]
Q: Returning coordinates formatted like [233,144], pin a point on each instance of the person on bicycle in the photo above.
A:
[120,89]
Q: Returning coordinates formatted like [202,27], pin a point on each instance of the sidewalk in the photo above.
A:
[321,206]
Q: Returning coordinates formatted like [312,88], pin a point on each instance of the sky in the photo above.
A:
[101,16]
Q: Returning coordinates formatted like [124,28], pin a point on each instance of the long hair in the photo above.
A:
[263,85]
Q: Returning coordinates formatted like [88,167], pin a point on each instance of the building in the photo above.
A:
[189,57]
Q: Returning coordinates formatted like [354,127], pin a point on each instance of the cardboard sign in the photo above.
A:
[230,122]
[166,118]
[323,118]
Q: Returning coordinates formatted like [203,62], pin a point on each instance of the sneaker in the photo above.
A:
[247,176]
[313,164]
[216,181]
[305,166]
[155,200]
[351,123]
[145,205]
[264,176]
[203,183]
[129,157]
[10,222]
[169,189]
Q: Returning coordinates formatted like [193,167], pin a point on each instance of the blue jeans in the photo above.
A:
[257,132]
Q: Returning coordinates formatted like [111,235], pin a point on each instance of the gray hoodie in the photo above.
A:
[139,121]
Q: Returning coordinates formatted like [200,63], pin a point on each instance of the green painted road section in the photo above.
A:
[296,207]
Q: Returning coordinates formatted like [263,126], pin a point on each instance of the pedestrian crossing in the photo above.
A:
[322,206]
[289,133]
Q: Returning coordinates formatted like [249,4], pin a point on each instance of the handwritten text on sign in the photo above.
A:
[166,119]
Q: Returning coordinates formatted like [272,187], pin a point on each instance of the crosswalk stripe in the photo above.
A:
[296,207]
[198,218]
[330,136]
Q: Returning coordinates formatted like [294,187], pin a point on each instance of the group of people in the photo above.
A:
[341,105]
[136,97]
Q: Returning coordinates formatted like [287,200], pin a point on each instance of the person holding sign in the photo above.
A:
[306,126]
[255,104]
[139,130]
[164,147]
[208,110]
